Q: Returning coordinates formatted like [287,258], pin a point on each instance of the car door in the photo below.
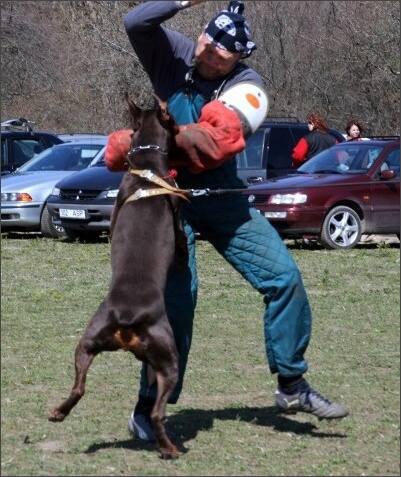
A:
[251,162]
[283,139]
[385,195]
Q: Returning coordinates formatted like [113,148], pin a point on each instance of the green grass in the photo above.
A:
[225,420]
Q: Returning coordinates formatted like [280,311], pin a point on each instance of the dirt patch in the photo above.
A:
[52,446]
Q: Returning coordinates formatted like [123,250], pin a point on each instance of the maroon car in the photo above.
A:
[351,189]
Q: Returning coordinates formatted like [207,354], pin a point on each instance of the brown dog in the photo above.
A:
[145,234]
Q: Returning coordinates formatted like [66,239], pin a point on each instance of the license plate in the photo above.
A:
[72,213]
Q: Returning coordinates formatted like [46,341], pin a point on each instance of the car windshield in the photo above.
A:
[63,157]
[345,158]
[99,162]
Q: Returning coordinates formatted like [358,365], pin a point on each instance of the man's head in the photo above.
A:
[225,40]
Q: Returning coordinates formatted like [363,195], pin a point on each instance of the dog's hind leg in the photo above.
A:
[82,362]
[165,386]
[162,356]
[96,338]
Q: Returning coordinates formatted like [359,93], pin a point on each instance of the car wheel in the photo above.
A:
[81,236]
[47,226]
[341,229]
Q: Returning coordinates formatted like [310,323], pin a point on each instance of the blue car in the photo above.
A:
[82,204]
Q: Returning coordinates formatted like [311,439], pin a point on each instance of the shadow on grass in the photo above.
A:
[187,423]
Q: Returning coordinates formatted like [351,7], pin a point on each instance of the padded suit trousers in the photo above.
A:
[252,246]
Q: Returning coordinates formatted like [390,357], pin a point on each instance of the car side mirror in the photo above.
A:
[387,174]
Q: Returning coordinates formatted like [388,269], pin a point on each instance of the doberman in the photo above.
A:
[146,240]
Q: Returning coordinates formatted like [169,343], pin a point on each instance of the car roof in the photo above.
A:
[80,136]
[11,132]
[371,142]
[94,140]
[295,123]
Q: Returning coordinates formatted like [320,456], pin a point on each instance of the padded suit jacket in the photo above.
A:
[167,57]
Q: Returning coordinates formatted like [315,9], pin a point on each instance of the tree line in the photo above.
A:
[66,65]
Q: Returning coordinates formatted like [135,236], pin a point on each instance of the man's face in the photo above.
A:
[212,62]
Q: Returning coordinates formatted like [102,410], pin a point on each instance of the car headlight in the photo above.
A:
[289,199]
[15,197]
[56,191]
[112,194]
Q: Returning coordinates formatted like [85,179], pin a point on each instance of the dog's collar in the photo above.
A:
[153,147]
[163,186]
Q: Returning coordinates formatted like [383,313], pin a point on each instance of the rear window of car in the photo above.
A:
[21,151]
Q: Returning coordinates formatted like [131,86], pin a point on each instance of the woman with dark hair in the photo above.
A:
[316,141]
[354,130]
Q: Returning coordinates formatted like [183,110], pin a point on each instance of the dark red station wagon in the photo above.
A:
[351,189]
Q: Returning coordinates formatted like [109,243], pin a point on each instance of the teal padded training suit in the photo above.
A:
[235,229]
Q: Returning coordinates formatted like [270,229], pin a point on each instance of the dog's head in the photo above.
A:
[164,117]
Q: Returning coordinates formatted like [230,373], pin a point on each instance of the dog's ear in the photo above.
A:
[162,104]
[166,117]
[134,110]
[163,109]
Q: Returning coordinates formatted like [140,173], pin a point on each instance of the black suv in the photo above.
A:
[268,151]
[19,143]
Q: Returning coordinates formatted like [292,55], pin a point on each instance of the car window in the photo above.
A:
[99,159]
[252,156]
[393,161]
[4,154]
[22,151]
[282,141]
[51,140]
[365,157]
[345,158]
[373,154]
[63,158]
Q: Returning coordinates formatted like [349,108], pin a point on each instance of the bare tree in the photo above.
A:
[66,65]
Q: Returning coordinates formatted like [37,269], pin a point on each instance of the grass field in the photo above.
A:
[226,421]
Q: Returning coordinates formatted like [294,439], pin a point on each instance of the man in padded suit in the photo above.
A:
[193,78]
